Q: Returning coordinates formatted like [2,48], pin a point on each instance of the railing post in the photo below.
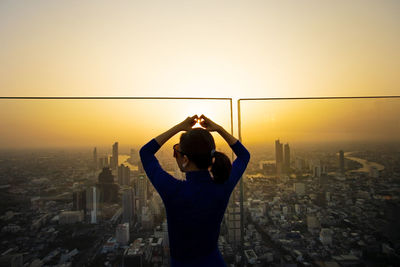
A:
[241,187]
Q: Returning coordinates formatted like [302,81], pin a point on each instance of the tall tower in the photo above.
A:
[141,192]
[278,157]
[124,175]
[95,159]
[79,200]
[92,204]
[108,190]
[233,220]
[128,206]
[287,159]
[114,163]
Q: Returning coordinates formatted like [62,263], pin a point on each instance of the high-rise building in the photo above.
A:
[122,234]
[233,220]
[128,206]
[79,200]
[278,157]
[141,192]
[316,170]
[287,159]
[124,175]
[95,159]
[341,161]
[92,204]
[106,177]
[108,189]
[300,163]
[103,162]
[114,163]
[111,160]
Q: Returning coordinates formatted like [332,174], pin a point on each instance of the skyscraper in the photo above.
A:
[141,192]
[287,159]
[278,157]
[341,161]
[103,162]
[128,206]
[108,189]
[79,200]
[124,175]
[233,220]
[114,163]
[95,159]
[92,204]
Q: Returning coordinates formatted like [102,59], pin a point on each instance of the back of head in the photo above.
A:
[199,146]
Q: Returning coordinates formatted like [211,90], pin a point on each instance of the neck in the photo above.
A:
[191,167]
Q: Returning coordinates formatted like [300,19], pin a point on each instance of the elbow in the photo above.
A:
[142,152]
[247,157]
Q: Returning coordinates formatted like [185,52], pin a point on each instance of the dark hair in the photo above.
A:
[199,146]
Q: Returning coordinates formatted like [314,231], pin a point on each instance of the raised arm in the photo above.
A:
[211,126]
[185,125]
[164,183]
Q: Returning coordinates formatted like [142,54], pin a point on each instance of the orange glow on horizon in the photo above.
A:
[202,49]
[63,123]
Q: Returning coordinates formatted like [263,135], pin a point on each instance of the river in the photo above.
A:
[122,159]
[366,165]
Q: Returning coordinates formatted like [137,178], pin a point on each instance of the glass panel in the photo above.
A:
[326,174]
[65,197]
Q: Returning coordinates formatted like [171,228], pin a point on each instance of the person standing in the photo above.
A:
[195,207]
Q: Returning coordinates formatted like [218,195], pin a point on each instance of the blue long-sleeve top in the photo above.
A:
[195,207]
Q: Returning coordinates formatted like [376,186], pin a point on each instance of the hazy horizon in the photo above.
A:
[100,123]
[199,49]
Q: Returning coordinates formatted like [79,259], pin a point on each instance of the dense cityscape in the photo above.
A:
[301,207]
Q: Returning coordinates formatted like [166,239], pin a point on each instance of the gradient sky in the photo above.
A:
[186,48]
[200,48]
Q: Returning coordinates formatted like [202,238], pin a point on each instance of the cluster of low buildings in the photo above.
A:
[327,219]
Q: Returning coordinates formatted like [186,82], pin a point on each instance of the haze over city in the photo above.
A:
[322,187]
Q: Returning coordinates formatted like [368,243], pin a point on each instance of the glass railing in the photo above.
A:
[72,188]
[323,183]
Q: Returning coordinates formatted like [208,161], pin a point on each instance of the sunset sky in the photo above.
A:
[234,49]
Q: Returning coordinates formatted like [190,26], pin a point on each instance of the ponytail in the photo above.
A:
[199,146]
[221,168]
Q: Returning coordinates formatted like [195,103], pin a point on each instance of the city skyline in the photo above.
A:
[304,209]
[311,89]
[87,123]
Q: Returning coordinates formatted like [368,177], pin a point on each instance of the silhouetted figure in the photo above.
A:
[195,207]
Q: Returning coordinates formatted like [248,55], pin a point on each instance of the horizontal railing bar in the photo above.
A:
[316,98]
[113,97]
